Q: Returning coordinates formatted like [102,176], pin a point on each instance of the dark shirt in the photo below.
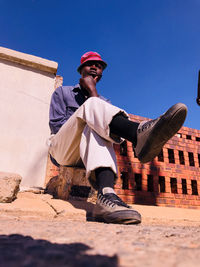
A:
[64,102]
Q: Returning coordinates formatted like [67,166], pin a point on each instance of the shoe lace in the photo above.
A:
[146,125]
[112,199]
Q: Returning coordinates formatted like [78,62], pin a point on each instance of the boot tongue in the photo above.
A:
[108,190]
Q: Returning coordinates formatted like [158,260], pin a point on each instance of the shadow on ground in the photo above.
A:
[83,205]
[19,250]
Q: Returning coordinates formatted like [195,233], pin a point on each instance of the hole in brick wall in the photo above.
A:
[123,148]
[181,157]
[199,159]
[194,187]
[150,183]
[189,137]
[124,177]
[198,139]
[184,186]
[161,156]
[138,182]
[161,184]
[171,155]
[173,183]
[191,158]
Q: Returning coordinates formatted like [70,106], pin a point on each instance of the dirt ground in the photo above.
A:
[36,230]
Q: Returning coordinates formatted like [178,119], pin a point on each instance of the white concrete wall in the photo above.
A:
[26,86]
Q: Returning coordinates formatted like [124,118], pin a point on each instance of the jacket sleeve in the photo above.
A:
[57,113]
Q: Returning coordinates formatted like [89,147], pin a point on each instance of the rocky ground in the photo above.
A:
[36,230]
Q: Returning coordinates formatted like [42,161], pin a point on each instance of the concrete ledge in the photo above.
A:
[29,205]
[28,60]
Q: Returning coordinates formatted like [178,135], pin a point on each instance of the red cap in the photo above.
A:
[91,56]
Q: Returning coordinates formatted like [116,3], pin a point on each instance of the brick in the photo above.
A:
[161,201]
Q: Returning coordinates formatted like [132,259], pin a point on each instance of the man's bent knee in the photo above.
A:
[95,101]
[95,104]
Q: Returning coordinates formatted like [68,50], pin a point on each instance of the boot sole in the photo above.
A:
[167,126]
[120,217]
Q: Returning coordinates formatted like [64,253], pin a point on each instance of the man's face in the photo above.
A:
[92,68]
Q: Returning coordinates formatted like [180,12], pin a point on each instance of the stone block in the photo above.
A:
[60,186]
[9,186]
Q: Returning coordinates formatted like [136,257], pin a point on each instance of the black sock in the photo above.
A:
[122,127]
[105,177]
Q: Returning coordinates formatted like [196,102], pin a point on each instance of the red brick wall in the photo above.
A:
[179,194]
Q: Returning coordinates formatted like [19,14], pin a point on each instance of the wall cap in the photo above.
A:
[28,60]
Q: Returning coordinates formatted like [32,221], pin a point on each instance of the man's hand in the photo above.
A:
[89,84]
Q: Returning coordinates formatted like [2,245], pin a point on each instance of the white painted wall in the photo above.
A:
[26,87]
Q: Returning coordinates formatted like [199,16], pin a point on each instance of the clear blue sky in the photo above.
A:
[152,47]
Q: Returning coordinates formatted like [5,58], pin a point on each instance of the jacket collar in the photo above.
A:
[77,86]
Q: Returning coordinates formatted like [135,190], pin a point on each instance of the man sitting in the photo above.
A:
[85,125]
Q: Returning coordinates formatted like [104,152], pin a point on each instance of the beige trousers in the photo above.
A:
[85,138]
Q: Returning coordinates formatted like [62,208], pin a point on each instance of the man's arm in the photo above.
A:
[91,87]
[57,113]
[89,84]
